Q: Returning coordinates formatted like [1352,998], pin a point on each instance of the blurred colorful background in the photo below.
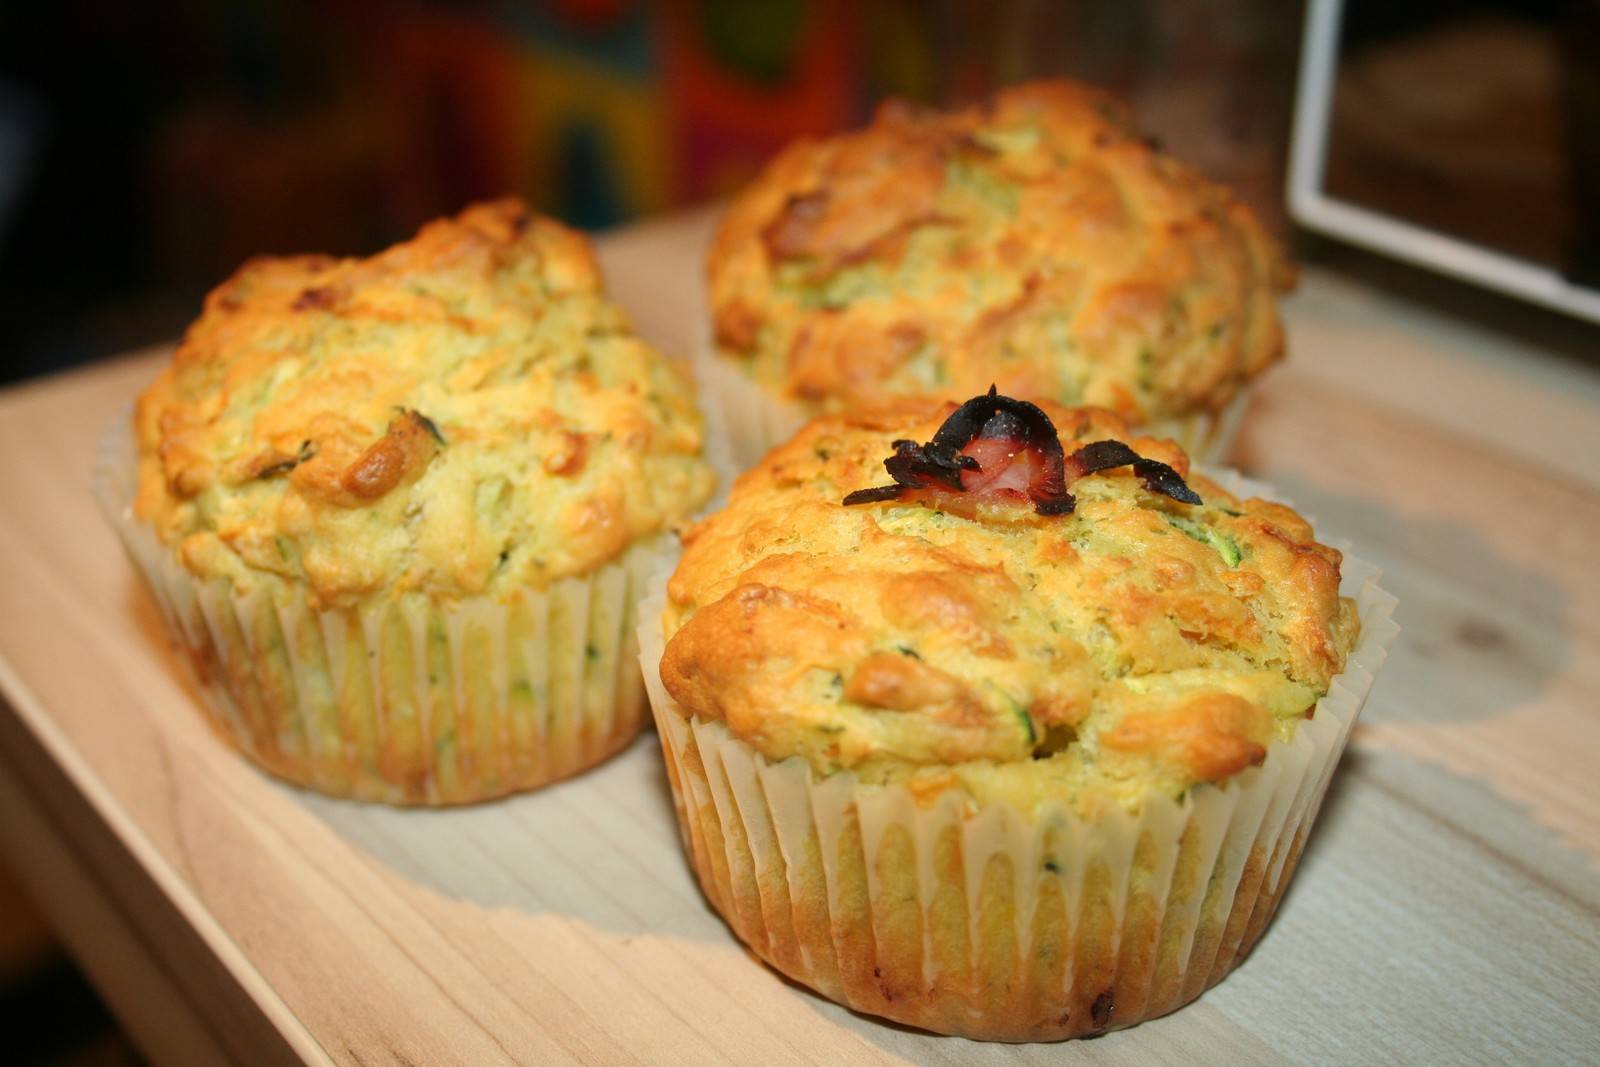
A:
[147,149]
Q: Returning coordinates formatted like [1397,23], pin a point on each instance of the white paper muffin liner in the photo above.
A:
[989,922]
[1207,436]
[414,700]
[750,420]
[746,418]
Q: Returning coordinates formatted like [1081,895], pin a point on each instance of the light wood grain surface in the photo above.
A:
[1447,909]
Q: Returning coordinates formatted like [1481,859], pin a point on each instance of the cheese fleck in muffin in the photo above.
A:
[412,495]
[993,668]
[1036,241]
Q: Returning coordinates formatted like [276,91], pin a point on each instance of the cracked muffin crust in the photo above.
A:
[1035,241]
[462,414]
[1135,644]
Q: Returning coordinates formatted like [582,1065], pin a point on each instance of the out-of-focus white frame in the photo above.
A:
[1314,209]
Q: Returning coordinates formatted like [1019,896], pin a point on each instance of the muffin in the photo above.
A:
[398,511]
[1015,733]
[1036,241]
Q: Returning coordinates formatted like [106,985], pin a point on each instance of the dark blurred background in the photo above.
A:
[146,149]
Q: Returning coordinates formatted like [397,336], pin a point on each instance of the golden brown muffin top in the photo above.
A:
[1035,241]
[462,414]
[1132,644]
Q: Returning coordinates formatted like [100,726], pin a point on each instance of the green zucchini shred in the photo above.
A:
[1221,543]
[1026,721]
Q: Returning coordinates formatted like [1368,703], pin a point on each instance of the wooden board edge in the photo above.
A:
[88,899]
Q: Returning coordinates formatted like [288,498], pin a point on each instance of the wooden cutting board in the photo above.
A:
[1447,909]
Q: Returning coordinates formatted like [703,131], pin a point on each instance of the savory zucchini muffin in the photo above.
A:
[1036,241]
[398,509]
[1016,740]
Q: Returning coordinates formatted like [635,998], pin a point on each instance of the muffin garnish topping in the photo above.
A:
[997,449]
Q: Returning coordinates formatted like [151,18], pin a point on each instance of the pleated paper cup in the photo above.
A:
[1207,436]
[411,700]
[751,420]
[986,921]
[745,418]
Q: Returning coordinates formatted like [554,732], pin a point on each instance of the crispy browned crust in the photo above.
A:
[1150,644]
[1036,241]
[461,413]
